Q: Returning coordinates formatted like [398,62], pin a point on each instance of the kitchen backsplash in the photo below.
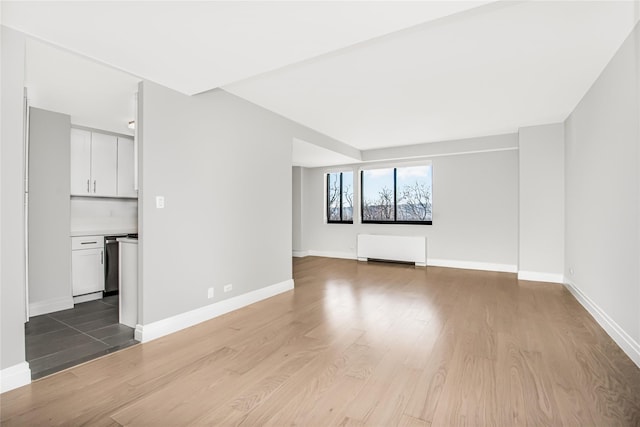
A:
[103,214]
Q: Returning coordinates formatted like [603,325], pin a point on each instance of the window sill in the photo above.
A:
[399,222]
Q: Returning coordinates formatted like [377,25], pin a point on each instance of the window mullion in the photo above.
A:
[327,197]
[341,219]
[361,195]
[395,194]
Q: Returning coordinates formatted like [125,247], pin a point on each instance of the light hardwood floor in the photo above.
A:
[361,344]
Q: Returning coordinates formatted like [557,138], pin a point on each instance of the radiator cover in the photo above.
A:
[393,248]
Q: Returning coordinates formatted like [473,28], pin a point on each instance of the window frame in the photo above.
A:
[328,205]
[395,197]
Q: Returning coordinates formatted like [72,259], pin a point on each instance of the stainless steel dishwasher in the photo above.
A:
[111,264]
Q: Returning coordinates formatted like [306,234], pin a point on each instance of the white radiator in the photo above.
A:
[393,248]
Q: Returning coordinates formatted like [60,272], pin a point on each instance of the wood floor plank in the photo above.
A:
[300,394]
[360,344]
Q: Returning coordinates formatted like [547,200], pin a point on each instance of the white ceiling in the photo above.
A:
[92,94]
[310,155]
[487,71]
[370,74]
[193,47]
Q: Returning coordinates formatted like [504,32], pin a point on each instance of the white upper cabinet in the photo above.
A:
[101,165]
[104,161]
[80,162]
[126,180]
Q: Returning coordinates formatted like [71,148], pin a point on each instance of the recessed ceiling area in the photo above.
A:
[193,46]
[486,71]
[368,74]
[310,155]
[93,94]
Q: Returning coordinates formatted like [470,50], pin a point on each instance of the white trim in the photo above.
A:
[395,163]
[331,254]
[472,265]
[151,331]
[300,254]
[626,343]
[137,334]
[87,297]
[15,376]
[447,154]
[50,306]
[534,276]
[465,265]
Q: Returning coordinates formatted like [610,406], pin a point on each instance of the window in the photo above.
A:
[400,195]
[340,197]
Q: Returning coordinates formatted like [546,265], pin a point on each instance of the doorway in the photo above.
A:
[78,123]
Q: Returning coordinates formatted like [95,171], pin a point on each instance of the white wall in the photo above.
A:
[12,267]
[103,214]
[541,195]
[475,213]
[224,168]
[298,203]
[49,241]
[602,161]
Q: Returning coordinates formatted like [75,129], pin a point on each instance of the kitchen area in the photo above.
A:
[81,198]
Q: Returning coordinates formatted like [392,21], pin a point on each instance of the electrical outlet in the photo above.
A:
[571,272]
[227,288]
[159,202]
[210,293]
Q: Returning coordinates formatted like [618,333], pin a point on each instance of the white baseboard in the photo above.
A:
[154,330]
[15,376]
[535,276]
[472,265]
[331,254]
[626,343]
[300,254]
[467,265]
[138,332]
[87,297]
[50,306]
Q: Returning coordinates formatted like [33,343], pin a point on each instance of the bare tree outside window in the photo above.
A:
[347,196]
[333,198]
[378,195]
[340,197]
[414,193]
[397,195]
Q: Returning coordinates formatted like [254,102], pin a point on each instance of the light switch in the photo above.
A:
[160,202]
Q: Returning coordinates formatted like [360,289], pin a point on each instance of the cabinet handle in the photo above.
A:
[94,185]
[88,243]
[101,257]
[88,190]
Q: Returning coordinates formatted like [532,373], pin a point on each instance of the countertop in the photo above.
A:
[127,240]
[103,232]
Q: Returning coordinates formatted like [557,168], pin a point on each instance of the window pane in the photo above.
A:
[333,197]
[377,195]
[347,196]
[414,193]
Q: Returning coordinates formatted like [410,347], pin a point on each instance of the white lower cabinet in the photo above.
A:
[87,264]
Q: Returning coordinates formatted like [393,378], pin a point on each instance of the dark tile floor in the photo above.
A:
[59,340]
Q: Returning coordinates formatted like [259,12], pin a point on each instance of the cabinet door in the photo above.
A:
[80,162]
[104,157]
[87,271]
[126,184]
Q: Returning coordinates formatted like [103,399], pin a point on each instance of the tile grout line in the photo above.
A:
[66,326]
[83,333]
